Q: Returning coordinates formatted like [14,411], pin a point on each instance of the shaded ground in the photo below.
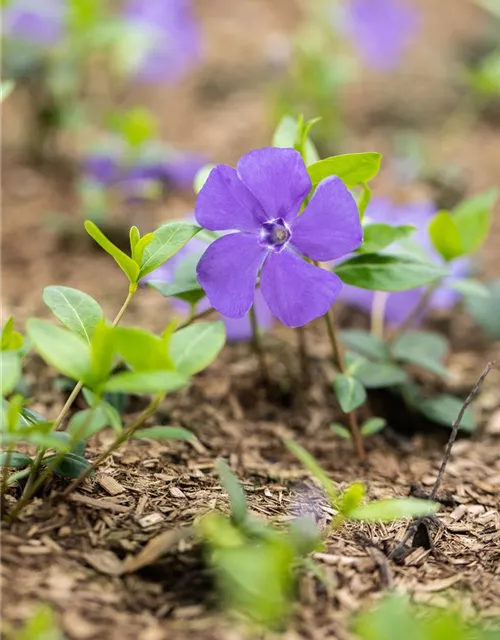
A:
[55,553]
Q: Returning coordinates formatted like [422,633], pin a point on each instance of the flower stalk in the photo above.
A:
[257,345]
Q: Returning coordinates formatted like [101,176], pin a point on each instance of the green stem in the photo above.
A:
[192,318]
[338,358]
[378,313]
[119,440]
[257,345]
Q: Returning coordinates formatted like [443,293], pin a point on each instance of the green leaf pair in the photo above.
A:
[462,231]
[149,252]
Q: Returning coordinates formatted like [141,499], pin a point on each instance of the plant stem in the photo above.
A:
[193,318]
[5,474]
[378,313]
[338,357]
[417,310]
[32,486]
[257,345]
[304,359]
[119,440]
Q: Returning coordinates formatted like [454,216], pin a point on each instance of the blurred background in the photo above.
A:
[115,106]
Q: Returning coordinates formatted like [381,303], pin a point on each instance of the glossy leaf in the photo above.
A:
[293,134]
[78,311]
[388,273]
[352,497]
[125,262]
[86,423]
[102,351]
[350,392]
[394,509]
[11,340]
[146,382]
[61,348]
[444,409]
[353,169]
[142,350]
[378,236]
[341,431]
[237,498]
[195,347]
[473,220]
[469,288]
[167,241]
[71,466]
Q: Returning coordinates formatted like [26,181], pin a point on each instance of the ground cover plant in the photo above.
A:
[243,398]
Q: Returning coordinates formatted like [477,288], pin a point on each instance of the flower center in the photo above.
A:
[275,234]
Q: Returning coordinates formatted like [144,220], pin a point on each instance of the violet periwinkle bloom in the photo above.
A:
[236,330]
[381,30]
[399,304]
[171,36]
[40,22]
[260,201]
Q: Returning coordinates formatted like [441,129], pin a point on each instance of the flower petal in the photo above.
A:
[278,178]
[227,271]
[330,226]
[224,203]
[296,291]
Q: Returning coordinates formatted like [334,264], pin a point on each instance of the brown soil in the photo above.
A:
[69,554]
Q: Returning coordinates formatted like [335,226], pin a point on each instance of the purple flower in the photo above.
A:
[381,30]
[261,200]
[236,330]
[171,38]
[400,304]
[39,22]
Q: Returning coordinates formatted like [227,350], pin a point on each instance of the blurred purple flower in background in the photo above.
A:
[171,42]
[40,22]
[109,166]
[236,330]
[381,30]
[400,304]
[260,201]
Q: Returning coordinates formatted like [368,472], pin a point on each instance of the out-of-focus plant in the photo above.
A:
[397,617]
[74,57]
[334,37]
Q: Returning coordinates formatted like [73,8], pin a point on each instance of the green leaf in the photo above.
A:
[445,236]
[125,262]
[6,88]
[167,241]
[353,169]
[339,430]
[138,126]
[190,293]
[469,288]
[444,409]
[363,200]
[65,351]
[372,426]
[165,433]
[388,273]
[11,340]
[486,311]
[349,391]
[195,347]
[146,382]
[352,497]
[378,375]
[424,349]
[142,350]
[394,509]
[237,498]
[140,247]
[473,220]
[102,352]
[365,343]
[71,466]
[315,469]
[201,177]
[292,133]
[10,371]
[113,416]
[16,460]
[78,311]
[378,236]
[135,236]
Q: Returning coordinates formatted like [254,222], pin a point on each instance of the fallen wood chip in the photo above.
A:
[109,484]
[439,585]
[99,503]
[156,548]
[105,562]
